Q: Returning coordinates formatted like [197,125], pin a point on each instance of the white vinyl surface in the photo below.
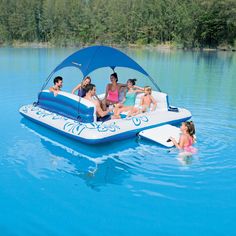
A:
[161,134]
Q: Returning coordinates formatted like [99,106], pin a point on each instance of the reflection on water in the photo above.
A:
[97,165]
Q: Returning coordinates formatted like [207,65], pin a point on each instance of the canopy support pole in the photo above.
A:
[47,80]
[45,84]
[154,83]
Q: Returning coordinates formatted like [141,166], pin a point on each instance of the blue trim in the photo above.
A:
[173,109]
[117,137]
[66,107]
[167,101]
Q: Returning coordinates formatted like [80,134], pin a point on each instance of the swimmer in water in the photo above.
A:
[187,138]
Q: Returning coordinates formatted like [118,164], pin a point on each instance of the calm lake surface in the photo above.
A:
[51,185]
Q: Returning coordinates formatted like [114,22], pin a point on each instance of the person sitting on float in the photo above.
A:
[58,81]
[146,101]
[128,102]
[81,86]
[91,95]
[112,91]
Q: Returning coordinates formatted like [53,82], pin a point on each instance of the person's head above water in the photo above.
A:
[189,127]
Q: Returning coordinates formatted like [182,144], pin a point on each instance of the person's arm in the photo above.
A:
[51,89]
[141,101]
[122,85]
[54,91]
[99,110]
[138,89]
[96,96]
[124,98]
[154,103]
[76,88]
[179,145]
[107,90]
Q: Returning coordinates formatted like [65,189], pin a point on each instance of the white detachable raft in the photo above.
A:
[162,134]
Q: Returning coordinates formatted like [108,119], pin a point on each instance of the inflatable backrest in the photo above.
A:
[68,105]
[161,98]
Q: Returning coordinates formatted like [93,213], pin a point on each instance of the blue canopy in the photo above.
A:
[95,57]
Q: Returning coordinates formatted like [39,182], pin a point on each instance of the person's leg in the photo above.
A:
[115,117]
[144,109]
[134,111]
[104,104]
[117,108]
[125,109]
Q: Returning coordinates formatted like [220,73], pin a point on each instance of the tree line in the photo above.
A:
[190,23]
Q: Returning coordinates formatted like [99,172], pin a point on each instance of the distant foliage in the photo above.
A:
[190,23]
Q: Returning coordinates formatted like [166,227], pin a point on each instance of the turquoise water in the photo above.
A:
[51,185]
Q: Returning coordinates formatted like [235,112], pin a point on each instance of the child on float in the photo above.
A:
[145,103]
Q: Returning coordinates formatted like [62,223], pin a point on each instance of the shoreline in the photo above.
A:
[159,47]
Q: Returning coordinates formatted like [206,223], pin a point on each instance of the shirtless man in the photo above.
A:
[57,85]
[90,93]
